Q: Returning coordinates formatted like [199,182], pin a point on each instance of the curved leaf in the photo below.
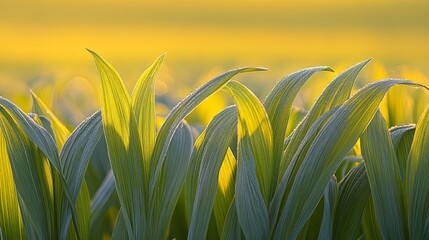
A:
[278,105]
[254,162]
[384,179]
[327,151]
[417,182]
[211,153]
[123,143]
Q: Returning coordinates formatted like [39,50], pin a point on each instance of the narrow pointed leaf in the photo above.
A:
[143,105]
[334,95]
[417,182]
[353,194]
[75,157]
[384,178]
[329,200]
[254,162]
[231,229]
[254,125]
[327,151]
[402,138]
[172,178]
[61,132]
[211,153]
[30,180]
[123,143]
[179,112]
[278,105]
[10,215]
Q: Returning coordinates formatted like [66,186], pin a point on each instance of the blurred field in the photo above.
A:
[43,43]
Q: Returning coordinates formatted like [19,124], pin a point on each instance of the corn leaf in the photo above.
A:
[179,112]
[123,143]
[120,231]
[402,138]
[172,178]
[353,194]
[334,95]
[370,227]
[277,201]
[329,201]
[61,133]
[417,182]
[11,225]
[28,168]
[75,157]
[278,105]
[384,179]
[143,105]
[254,167]
[231,229]
[210,155]
[327,151]
[225,190]
[100,200]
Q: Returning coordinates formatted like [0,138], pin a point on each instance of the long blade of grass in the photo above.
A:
[384,179]
[278,105]
[28,168]
[143,105]
[417,182]
[179,112]
[120,129]
[172,178]
[254,168]
[74,159]
[353,194]
[10,215]
[211,154]
[334,95]
[327,151]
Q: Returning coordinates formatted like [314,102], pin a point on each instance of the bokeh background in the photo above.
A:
[42,44]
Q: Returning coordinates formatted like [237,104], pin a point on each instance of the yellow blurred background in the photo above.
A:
[44,42]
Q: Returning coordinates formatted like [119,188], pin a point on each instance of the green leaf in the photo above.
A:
[61,132]
[334,95]
[384,179]
[172,178]
[417,182]
[254,162]
[231,229]
[329,201]
[331,145]
[353,194]
[75,157]
[179,112]
[30,177]
[100,200]
[278,105]
[143,105]
[11,225]
[120,231]
[209,156]
[123,143]
[402,138]
[370,228]
[254,124]
[225,190]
